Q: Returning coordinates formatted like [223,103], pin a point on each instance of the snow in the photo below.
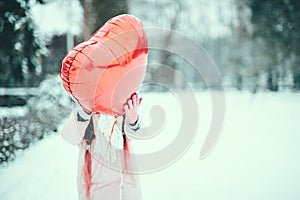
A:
[13,111]
[257,157]
[41,172]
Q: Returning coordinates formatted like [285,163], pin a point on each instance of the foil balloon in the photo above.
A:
[101,73]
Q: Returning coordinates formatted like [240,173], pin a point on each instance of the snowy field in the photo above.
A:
[256,158]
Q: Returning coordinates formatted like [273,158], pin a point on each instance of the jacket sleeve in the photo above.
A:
[74,128]
[132,131]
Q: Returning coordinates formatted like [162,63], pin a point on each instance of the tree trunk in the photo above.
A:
[296,80]
[86,5]
[272,81]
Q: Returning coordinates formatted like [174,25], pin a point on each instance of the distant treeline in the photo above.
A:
[259,48]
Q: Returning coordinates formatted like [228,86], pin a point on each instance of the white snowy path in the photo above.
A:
[257,157]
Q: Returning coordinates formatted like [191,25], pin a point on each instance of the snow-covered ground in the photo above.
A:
[257,157]
[13,111]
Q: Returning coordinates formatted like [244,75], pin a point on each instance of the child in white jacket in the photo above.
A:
[104,163]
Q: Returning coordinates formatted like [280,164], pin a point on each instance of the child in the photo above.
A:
[104,163]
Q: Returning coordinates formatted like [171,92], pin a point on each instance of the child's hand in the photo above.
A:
[131,109]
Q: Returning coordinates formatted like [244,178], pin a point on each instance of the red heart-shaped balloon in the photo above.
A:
[101,73]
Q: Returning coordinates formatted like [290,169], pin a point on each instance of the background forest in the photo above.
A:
[254,43]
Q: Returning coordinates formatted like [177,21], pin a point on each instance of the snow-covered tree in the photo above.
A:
[20,49]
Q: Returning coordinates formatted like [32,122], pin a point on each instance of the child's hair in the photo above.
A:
[88,172]
[89,136]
